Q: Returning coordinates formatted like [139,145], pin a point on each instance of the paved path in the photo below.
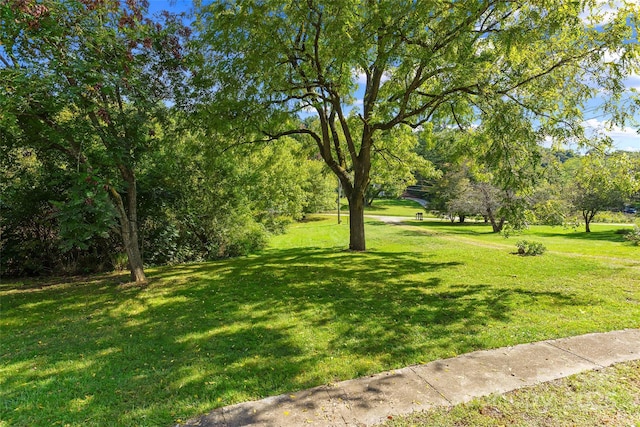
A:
[370,400]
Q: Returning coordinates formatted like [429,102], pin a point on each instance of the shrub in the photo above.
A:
[634,236]
[530,248]
[609,217]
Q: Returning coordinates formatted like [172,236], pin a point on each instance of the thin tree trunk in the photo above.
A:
[372,195]
[588,217]
[129,226]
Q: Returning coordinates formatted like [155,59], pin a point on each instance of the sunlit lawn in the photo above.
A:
[303,312]
[389,207]
[605,240]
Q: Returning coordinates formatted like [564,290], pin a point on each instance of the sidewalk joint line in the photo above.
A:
[432,386]
[598,366]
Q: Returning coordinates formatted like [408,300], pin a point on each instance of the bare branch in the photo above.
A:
[455,117]
[6,62]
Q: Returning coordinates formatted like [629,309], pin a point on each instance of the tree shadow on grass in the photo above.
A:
[207,335]
[469,228]
[609,235]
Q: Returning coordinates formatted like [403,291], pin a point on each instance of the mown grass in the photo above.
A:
[303,312]
[605,240]
[394,207]
[388,207]
[607,397]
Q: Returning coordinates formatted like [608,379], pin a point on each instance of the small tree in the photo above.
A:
[89,78]
[602,181]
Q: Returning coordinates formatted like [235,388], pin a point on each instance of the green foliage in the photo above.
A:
[530,248]
[634,236]
[119,261]
[396,163]
[89,80]
[551,212]
[603,181]
[612,217]
[483,183]
[85,212]
[50,221]
[205,200]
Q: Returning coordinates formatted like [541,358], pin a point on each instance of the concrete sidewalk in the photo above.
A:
[370,400]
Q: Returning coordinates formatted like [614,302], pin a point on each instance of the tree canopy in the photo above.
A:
[89,79]
[520,70]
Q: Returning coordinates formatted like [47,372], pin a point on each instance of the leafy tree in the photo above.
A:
[500,63]
[395,164]
[89,78]
[465,200]
[282,182]
[200,201]
[548,202]
[479,179]
[603,181]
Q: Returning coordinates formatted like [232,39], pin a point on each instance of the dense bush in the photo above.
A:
[195,203]
[51,223]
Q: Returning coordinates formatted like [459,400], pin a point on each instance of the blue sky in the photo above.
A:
[626,138]
[170,5]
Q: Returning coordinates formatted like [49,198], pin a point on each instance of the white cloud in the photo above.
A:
[630,148]
[624,138]
[613,131]
[604,12]
[360,76]
[633,81]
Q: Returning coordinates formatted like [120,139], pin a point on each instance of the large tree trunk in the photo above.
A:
[354,182]
[356,222]
[497,227]
[361,168]
[129,226]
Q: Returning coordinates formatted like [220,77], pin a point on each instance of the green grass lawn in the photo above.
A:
[605,240]
[301,313]
[388,207]
[393,207]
